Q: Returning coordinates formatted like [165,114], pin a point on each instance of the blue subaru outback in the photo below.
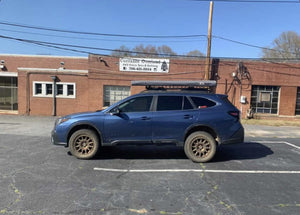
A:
[195,119]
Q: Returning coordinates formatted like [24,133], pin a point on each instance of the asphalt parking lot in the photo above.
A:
[260,176]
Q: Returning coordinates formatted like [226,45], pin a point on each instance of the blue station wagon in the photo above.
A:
[195,119]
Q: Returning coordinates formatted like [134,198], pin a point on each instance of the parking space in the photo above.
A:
[260,176]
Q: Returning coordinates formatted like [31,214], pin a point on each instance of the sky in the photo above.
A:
[253,23]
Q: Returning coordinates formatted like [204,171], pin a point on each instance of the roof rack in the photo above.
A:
[183,85]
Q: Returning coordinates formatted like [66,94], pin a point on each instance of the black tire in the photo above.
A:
[84,144]
[200,147]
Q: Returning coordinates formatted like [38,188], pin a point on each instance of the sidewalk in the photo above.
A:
[272,131]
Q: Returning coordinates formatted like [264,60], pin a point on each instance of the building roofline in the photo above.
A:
[51,70]
[43,56]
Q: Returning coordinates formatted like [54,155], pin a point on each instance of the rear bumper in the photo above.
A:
[238,137]
[55,140]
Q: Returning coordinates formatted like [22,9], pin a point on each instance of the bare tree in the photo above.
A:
[287,45]
[165,51]
[196,53]
[123,51]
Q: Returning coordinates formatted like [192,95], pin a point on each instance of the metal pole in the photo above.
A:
[207,62]
[54,78]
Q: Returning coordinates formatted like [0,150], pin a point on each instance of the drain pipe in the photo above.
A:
[54,78]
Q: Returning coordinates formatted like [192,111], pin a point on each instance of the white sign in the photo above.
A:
[144,65]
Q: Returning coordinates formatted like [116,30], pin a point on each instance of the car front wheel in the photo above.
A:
[200,147]
[84,144]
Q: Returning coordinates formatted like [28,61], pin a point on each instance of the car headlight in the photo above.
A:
[61,120]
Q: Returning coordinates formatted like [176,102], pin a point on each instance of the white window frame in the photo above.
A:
[44,91]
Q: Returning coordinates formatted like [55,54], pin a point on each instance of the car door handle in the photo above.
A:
[187,116]
[145,118]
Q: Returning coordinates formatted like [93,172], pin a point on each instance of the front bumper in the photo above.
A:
[55,140]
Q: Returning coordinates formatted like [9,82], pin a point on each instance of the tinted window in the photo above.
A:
[187,105]
[140,104]
[169,103]
[202,102]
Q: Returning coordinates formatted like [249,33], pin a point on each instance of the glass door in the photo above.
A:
[8,93]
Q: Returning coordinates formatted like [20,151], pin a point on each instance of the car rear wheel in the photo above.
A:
[84,144]
[200,147]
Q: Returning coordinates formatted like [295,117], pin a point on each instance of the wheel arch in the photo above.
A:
[84,125]
[204,128]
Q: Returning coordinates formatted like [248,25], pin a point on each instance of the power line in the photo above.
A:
[98,39]
[70,47]
[250,45]
[132,36]
[99,34]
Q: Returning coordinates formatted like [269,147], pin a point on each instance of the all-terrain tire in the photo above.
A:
[84,144]
[200,147]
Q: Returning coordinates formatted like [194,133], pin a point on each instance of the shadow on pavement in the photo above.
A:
[242,151]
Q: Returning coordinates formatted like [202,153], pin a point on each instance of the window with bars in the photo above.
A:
[113,94]
[264,99]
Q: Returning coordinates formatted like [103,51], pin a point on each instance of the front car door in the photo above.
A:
[129,122]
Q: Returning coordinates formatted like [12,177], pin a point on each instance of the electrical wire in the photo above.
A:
[98,39]
[99,34]
[69,47]
[250,45]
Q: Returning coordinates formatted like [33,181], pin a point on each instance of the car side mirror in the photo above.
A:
[115,112]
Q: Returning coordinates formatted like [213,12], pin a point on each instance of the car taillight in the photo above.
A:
[235,114]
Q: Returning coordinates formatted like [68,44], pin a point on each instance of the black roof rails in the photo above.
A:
[183,85]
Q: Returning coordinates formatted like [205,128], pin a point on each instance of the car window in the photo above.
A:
[187,104]
[169,103]
[139,104]
[202,102]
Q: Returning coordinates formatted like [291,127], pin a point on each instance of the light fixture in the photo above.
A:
[2,65]
[54,78]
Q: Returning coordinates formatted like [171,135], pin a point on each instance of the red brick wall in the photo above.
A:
[44,105]
[89,89]
[287,101]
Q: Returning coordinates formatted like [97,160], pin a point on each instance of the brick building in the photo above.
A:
[91,83]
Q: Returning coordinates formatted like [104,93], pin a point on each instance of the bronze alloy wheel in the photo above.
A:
[84,144]
[200,146]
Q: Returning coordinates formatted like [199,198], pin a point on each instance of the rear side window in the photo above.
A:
[187,105]
[202,102]
[169,103]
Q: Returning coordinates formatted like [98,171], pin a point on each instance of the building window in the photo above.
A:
[113,94]
[60,89]
[70,90]
[8,93]
[45,89]
[38,89]
[48,89]
[298,102]
[264,99]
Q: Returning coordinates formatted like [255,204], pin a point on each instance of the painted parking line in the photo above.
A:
[287,143]
[194,170]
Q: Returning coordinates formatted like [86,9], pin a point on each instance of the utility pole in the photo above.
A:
[207,62]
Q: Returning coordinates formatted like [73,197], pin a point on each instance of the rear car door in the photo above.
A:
[173,115]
